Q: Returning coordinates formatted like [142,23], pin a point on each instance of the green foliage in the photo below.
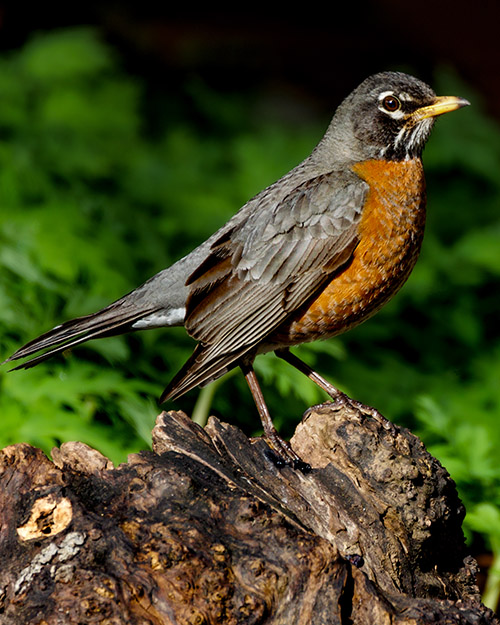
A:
[93,202]
[96,197]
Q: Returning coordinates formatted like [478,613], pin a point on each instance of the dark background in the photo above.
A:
[316,53]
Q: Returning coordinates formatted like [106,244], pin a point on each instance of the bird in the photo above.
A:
[309,257]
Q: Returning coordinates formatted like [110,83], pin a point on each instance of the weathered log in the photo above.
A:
[208,529]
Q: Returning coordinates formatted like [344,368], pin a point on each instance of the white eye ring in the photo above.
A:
[391,103]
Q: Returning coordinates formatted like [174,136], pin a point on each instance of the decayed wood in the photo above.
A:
[208,529]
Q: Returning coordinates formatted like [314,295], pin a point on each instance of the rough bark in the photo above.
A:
[208,529]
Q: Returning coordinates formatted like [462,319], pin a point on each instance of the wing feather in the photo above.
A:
[265,269]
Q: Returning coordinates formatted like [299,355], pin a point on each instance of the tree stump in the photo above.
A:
[208,529]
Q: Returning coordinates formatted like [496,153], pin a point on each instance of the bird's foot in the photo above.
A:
[281,454]
[341,399]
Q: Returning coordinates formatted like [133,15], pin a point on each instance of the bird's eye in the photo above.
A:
[391,103]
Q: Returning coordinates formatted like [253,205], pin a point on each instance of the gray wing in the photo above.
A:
[261,270]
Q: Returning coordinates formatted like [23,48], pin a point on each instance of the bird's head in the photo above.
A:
[390,116]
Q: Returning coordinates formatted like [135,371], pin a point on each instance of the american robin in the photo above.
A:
[311,256]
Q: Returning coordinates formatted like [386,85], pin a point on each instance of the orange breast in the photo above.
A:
[390,235]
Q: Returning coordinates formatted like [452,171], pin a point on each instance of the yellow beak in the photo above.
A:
[442,104]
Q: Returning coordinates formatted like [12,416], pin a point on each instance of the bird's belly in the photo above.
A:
[390,235]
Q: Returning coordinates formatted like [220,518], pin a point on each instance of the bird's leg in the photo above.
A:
[299,364]
[282,447]
[338,396]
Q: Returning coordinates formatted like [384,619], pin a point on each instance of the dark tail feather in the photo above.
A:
[199,371]
[110,320]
